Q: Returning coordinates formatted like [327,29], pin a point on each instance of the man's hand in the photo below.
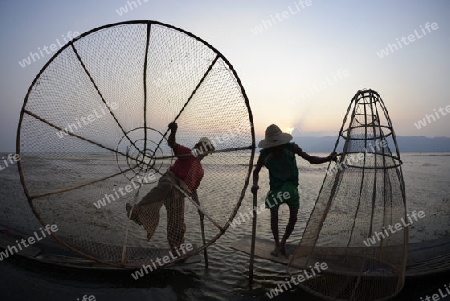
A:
[333,156]
[173,129]
[173,126]
[254,188]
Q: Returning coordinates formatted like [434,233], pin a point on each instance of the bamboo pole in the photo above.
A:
[202,226]
[252,248]
[198,207]
[225,150]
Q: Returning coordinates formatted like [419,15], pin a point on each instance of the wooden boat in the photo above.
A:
[52,252]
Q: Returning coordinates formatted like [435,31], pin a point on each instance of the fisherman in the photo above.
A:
[278,156]
[183,177]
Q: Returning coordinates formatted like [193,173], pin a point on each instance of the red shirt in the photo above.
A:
[187,167]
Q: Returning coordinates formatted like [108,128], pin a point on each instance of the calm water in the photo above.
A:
[427,183]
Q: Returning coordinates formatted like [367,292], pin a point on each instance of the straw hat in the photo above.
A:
[274,137]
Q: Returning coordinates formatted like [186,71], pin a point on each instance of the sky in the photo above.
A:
[300,62]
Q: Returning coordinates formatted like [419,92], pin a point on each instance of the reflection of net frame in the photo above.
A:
[373,189]
[231,80]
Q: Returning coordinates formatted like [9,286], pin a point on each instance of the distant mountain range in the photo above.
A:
[405,143]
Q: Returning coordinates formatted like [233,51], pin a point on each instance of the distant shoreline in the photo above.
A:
[406,144]
[325,144]
[431,154]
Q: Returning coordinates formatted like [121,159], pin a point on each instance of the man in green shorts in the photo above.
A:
[278,156]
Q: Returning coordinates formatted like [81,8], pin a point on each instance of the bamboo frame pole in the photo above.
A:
[252,248]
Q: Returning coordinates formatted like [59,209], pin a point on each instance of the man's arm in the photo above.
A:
[173,130]
[314,159]
[256,175]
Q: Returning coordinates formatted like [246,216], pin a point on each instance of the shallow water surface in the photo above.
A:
[426,179]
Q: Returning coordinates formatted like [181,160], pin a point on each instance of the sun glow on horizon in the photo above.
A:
[288,130]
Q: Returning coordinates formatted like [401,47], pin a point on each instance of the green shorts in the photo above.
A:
[288,193]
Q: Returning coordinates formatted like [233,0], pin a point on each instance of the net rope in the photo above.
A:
[361,199]
[93,133]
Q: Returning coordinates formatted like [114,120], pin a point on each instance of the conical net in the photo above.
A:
[358,226]
[93,136]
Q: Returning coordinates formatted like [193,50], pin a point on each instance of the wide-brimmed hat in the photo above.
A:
[274,137]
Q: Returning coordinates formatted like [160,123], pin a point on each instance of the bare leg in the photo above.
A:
[274,227]
[289,228]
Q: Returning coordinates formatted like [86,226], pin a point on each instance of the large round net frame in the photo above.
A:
[143,156]
[361,199]
[93,133]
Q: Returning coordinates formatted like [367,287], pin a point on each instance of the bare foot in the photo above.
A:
[275,252]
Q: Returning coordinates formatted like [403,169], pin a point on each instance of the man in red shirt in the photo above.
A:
[183,177]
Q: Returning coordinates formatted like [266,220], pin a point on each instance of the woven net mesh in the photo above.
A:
[93,136]
[358,226]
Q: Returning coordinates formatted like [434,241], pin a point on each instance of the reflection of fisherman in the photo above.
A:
[278,155]
[186,174]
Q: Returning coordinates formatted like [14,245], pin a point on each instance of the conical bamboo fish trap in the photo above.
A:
[358,226]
